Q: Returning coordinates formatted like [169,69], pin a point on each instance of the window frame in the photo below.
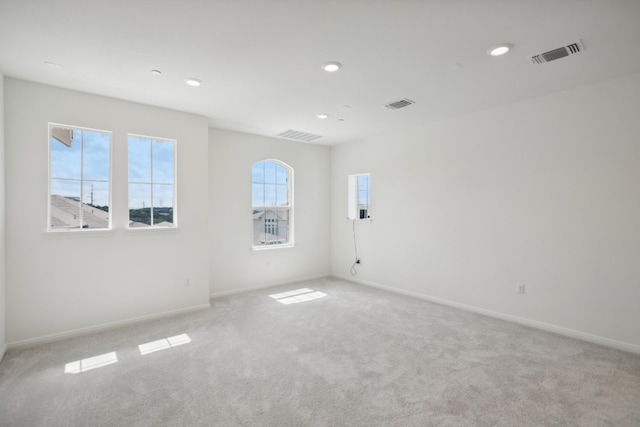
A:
[151,183]
[82,180]
[353,191]
[290,206]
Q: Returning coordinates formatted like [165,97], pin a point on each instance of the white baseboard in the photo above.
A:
[91,329]
[596,339]
[266,285]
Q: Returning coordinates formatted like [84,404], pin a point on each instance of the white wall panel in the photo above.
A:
[543,192]
[3,340]
[233,266]
[64,282]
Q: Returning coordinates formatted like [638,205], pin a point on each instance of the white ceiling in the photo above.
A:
[260,60]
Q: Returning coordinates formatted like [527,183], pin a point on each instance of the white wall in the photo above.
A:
[233,266]
[3,341]
[544,192]
[57,283]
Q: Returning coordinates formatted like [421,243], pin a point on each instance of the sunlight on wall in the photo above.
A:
[298,295]
[163,344]
[90,363]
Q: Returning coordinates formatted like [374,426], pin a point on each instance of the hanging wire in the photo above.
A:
[355,248]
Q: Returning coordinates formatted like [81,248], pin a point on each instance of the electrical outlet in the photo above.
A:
[520,288]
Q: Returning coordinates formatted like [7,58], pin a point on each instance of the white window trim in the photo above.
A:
[79,230]
[175,184]
[290,192]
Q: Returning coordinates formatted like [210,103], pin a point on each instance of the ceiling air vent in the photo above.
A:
[298,135]
[399,104]
[558,53]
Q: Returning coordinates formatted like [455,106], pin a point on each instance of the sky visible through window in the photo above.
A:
[364,192]
[271,203]
[151,182]
[151,173]
[269,181]
[82,169]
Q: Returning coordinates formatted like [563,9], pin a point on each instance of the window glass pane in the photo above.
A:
[359,196]
[139,159]
[271,226]
[163,162]
[283,214]
[162,205]
[139,205]
[94,196]
[363,182]
[281,195]
[363,198]
[65,204]
[283,223]
[257,172]
[257,195]
[66,188]
[270,195]
[95,156]
[151,182]
[281,175]
[80,178]
[270,172]
[258,224]
[65,158]
[270,191]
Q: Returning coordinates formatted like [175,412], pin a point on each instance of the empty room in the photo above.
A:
[337,213]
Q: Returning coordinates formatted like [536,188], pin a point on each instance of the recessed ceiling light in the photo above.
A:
[193,82]
[156,72]
[332,66]
[500,49]
[322,115]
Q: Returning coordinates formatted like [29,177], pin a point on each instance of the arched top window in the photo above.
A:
[272,204]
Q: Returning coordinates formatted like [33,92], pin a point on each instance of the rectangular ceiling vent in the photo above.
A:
[558,53]
[298,135]
[399,104]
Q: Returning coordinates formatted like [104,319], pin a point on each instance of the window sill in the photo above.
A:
[154,229]
[77,233]
[257,249]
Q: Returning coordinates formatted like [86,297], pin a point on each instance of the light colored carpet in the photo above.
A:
[356,357]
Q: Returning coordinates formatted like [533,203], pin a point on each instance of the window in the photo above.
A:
[271,204]
[359,196]
[152,193]
[79,178]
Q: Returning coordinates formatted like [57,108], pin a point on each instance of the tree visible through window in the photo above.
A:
[79,178]
[151,182]
[271,200]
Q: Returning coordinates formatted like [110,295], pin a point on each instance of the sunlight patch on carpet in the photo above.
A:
[163,344]
[90,363]
[297,295]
